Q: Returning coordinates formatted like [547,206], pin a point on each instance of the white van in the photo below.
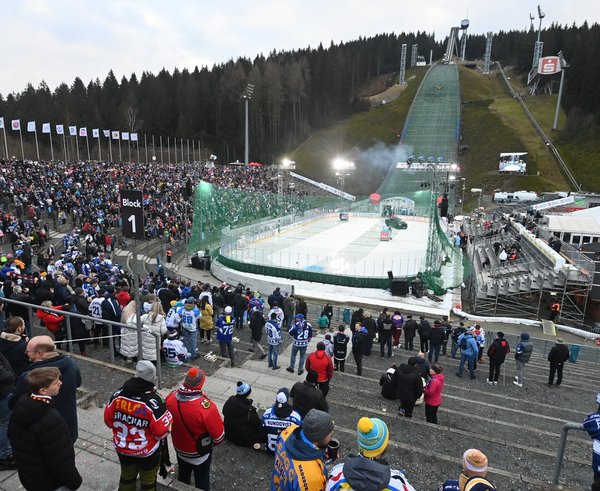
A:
[514,198]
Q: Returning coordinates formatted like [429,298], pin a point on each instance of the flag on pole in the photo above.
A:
[106,133]
[83,132]
[96,133]
[134,137]
[73,130]
[45,127]
[60,129]
[125,136]
[115,135]
[16,124]
[2,123]
[31,126]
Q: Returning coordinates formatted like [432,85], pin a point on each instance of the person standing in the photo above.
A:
[257,323]
[448,331]
[197,428]
[190,317]
[436,338]
[273,340]
[385,331]
[410,331]
[300,454]
[302,333]
[497,354]
[278,417]
[368,470]
[340,348]
[522,356]
[322,364]
[225,327]
[557,357]
[468,353]
[359,343]
[592,425]
[371,326]
[43,449]
[289,308]
[42,353]
[139,420]
[433,393]
[409,387]
[206,321]
[424,331]
[7,382]
[456,332]
[554,311]
[397,323]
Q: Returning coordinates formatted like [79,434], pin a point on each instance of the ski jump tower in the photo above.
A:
[452,48]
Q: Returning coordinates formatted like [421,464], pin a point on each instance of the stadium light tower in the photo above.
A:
[342,169]
[247,95]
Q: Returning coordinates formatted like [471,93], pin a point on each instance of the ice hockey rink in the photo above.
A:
[351,248]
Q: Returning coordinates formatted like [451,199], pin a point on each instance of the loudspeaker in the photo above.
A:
[399,288]
[390,275]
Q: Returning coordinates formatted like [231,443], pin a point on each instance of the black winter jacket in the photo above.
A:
[409,385]
[410,328]
[306,396]
[498,350]
[371,326]
[257,324]
[437,336]
[13,346]
[242,424]
[558,354]
[388,386]
[42,447]
[424,329]
[7,377]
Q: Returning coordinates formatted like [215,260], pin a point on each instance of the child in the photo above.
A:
[328,345]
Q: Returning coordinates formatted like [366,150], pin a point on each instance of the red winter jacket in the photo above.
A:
[321,363]
[433,390]
[123,297]
[51,320]
[201,416]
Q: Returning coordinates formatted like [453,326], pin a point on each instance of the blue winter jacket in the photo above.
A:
[472,348]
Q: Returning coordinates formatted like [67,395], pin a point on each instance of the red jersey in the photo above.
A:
[138,417]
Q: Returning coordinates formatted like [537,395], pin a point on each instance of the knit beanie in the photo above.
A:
[373,436]
[145,370]
[475,462]
[194,379]
[317,425]
[283,396]
[243,389]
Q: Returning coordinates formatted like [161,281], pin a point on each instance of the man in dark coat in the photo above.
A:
[275,297]
[436,338]
[497,354]
[371,326]
[557,357]
[7,382]
[409,387]
[359,343]
[243,425]
[239,304]
[41,352]
[307,396]
[13,344]
[424,333]
[410,330]
[40,438]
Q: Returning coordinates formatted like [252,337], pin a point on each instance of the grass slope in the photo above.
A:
[361,131]
[493,122]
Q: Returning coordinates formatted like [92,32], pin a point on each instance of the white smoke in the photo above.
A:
[381,156]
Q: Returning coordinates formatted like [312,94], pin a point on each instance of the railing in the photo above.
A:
[70,340]
[561,448]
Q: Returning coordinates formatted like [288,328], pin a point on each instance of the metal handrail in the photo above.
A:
[561,448]
[30,307]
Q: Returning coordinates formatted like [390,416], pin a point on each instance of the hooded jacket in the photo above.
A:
[297,461]
[409,385]
[498,350]
[306,396]
[42,446]
[524,349]
[13,346]
[320,363]
[433,390]
[365,474]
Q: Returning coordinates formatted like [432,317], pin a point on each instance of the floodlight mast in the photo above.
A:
[247,95]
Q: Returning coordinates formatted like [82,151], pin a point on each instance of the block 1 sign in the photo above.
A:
[132,214]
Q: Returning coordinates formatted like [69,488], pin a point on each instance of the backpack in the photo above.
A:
[464,345]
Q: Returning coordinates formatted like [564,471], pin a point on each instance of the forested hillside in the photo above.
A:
[295,92]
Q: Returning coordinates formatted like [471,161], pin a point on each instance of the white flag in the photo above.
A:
[106,133]
[96,133]
[115,135]
[16,124]
[60,129]
[83,132]
[45,127]
[134,137]
[125,136]
[31,126]
[2,123]
[73,130]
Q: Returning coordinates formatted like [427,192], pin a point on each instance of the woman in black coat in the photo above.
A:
[243,426]
[409,387]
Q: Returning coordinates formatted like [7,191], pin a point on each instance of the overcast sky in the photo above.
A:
[58,40]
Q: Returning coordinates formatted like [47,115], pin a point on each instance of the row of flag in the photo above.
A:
[73,130]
